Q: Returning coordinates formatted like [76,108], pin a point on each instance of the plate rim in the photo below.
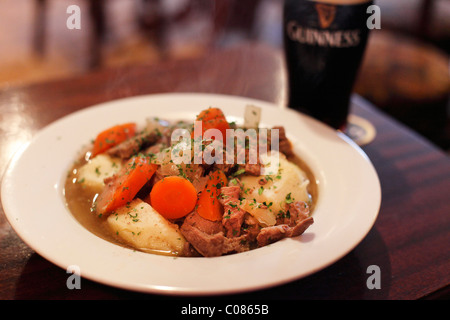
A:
[179,290]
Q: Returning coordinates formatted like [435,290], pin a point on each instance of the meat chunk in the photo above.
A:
[133,145]
[205,236]
[208,238]
[284,145]
[293,212]
[237,160]
[229,194]
[233,216]
[208,245]
[272,234]
[202,224]
[275,233]
[251,227]
[292,223]
[225,167]
[251,166]
[253,169]
[156,148]
[196,174]
[236,244]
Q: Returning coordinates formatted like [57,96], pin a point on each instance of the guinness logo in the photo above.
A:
[326,13]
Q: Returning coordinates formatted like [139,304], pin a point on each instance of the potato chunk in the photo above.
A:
[96,170]
[266,196]
[140,226]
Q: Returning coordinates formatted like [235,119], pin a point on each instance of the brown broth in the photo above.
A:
[79,200]
[312,187]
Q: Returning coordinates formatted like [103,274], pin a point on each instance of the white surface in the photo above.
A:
[33,200]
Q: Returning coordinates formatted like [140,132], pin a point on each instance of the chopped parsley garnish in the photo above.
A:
[260,190]
[289,199]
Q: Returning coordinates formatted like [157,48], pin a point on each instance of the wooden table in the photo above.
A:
[409,241]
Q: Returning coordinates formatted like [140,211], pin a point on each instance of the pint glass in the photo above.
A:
[324,44]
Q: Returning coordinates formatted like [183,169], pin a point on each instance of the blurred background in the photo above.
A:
[405,72]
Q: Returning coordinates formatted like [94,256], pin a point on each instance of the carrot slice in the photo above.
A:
[208,205]
[173,197]
[113,136]
[210,114]
[212,118]
[126,184]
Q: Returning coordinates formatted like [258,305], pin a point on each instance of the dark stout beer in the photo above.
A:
[324,44]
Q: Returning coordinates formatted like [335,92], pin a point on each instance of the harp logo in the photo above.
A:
[326,14]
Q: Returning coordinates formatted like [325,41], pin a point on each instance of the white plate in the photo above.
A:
[33,200]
